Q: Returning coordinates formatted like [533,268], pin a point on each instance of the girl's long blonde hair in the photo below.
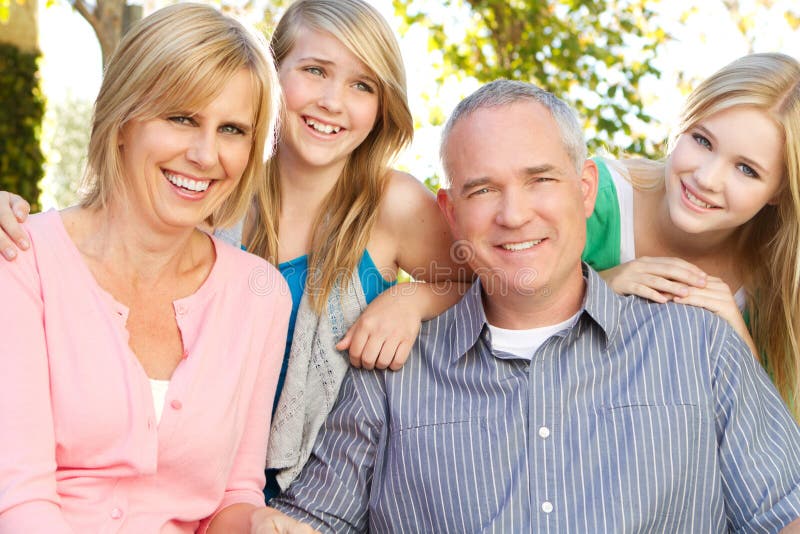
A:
[769,244]
[343,225]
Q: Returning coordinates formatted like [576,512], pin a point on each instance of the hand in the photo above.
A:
[270,521]
[13,211]
[717,297]
[657,279]
[383,335]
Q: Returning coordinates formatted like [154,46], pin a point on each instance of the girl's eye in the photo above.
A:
[747,170]
[181,119]
[316,71]
[702,141]
[361,86]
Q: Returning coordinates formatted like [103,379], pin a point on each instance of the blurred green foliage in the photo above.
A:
[21,112]
[575,49]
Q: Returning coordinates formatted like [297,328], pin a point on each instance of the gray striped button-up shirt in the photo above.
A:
[643,417]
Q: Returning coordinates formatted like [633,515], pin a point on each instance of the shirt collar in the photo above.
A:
[469,318]
[601,303]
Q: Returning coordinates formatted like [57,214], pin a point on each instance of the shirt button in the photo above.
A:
[544,432]
[547,507]
[176,404]
[149,424]
[181,309]
[185,354]
[116,513]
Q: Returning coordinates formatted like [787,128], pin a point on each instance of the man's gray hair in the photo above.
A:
[503,92]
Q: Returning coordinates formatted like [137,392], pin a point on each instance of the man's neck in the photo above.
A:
[544,307]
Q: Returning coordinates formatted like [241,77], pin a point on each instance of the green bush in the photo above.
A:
[21,113]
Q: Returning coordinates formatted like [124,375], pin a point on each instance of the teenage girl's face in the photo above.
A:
[723,170]
[331,101]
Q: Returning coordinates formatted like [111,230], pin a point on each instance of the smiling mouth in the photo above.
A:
[195,186]
[695,200]
[523,245]
[321,127]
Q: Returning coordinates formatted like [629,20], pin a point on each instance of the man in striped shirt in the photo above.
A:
[542,401]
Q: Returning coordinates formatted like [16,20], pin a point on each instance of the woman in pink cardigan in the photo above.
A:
[140,357]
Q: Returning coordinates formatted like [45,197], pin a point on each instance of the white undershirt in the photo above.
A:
[524,343]
[159,388]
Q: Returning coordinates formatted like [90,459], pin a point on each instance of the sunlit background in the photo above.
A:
[704,36]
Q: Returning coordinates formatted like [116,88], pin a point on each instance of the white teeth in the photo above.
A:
[696,201]
[187,183]
[521,246]
[323,128]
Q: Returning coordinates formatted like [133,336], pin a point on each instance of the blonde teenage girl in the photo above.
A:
[717,224]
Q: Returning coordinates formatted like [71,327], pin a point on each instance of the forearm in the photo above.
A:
[430,299]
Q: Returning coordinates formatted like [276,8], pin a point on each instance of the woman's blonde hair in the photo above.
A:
[178,60]
[768,244]
[343,225]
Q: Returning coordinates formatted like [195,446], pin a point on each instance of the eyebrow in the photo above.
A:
[545,168]
[752,163]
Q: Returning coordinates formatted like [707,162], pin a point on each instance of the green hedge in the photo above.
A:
[21,113]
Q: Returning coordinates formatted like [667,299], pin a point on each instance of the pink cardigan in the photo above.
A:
[80,450]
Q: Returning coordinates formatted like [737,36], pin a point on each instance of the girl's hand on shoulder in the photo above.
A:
[270,521]
[656,279]
[13,211]
[717,297]
[383,335]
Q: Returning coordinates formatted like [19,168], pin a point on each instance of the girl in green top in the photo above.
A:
[720,215]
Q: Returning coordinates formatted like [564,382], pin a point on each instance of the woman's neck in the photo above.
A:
[114,237]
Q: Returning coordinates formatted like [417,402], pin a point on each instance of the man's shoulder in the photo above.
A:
[670,323]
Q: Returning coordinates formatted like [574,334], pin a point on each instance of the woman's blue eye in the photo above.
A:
[316,71]
[230,129]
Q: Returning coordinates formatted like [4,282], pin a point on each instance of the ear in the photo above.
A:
[589,186]
[446,205]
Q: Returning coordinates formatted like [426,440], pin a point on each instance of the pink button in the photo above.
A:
[116,513]
[176,404]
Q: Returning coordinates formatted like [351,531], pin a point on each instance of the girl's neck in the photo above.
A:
[309,182]
[714,252]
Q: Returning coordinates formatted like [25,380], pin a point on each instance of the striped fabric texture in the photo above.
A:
[643,417]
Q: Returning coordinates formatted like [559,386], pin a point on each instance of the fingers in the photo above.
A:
[20,207]
[371,346]
[344,343]
[674,269]
[13,209]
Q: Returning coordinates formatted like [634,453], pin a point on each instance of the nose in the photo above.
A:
[710,175]
[513,211]
[330,98]
[203,150]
